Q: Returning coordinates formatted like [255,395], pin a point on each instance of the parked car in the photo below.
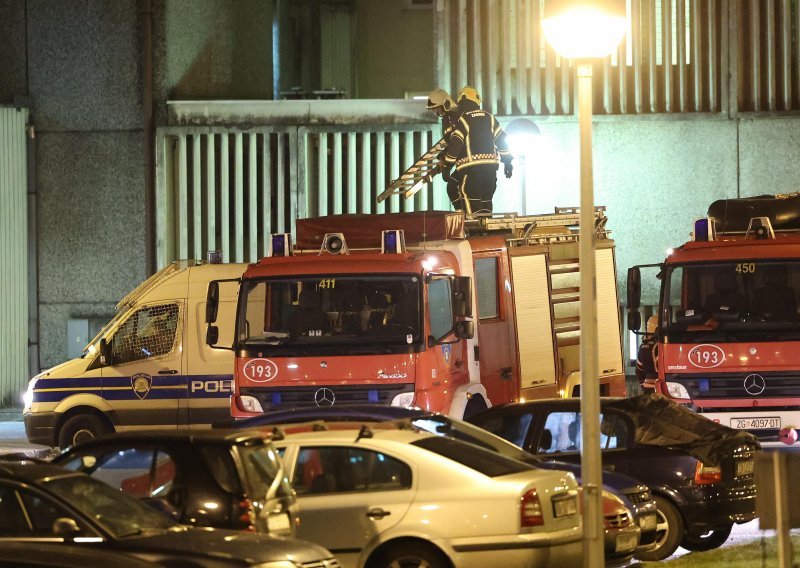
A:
[63,555]
[700,473]
[212,478]
[636,496]
[404,497]
[620,531]
[45,503]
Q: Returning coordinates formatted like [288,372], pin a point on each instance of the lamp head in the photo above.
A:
[584,29]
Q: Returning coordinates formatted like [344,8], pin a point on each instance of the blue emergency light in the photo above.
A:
[281,244]
[393,242]
[704,230]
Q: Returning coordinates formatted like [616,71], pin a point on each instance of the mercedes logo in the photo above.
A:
[324,397]
[754,384]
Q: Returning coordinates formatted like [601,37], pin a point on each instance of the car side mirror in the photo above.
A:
[66,528]
[105,352]
[212,335]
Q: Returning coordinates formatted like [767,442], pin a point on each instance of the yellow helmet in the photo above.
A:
[440,98]
[470,94]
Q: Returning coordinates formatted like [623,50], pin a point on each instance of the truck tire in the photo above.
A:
[81,427]
[475,405]
[707,541]
[669,531]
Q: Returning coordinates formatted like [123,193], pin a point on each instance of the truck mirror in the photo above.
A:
[105,352]
[462,296]
[212,301]
[634,320]
[212,335]
[634,288]
[465,329]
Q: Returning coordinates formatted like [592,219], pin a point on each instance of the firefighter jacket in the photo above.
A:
[476,139]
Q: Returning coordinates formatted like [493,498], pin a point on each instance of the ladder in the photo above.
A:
[548,227]
[422,172]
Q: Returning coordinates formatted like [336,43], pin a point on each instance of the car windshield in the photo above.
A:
[444,426]
[350,314]
[119,514]
[732,301]
[487,462]
[265,474]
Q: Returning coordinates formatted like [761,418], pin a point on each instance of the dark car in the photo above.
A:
[63,555]
[636,496]
[701,473]
[214,478]
[45,503]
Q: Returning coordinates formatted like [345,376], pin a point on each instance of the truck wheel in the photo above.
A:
[669,531]
[475,405]
[80,428]
[707,541]
[409,555]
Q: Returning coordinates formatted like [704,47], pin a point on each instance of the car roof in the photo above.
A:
[548,402]
[343,412]
[31,471]
[220,436]
[350,434]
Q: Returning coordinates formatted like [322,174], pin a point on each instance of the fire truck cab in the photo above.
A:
[727,337]
[424,309]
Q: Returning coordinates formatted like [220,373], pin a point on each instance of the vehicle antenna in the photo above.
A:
[365,432]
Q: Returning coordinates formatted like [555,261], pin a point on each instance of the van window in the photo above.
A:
[148,332]
[440,306]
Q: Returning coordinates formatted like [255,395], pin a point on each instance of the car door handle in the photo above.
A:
[168,372]
[378,513]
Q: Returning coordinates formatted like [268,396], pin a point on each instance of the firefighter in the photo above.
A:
[440,102]
[647,356]
[475,148]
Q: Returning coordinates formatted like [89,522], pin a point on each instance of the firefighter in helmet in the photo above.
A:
[440,102]
[475,149]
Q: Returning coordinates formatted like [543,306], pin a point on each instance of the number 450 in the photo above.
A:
[746,267]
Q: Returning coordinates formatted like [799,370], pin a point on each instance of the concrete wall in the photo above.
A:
[394,48]
[13,50]
[83,75]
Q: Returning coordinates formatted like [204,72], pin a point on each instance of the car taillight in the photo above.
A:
[246,514]
[248,404]
[707,475]
[530,512]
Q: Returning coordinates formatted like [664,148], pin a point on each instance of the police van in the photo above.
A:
[149,367]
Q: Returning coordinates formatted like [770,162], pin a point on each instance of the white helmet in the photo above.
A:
[440,98]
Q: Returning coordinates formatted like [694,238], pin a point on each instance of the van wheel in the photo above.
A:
[80,428]
[669,531]
[707,541]
[409,555]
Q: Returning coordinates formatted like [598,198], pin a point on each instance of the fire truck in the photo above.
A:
[726,337]
[424,309]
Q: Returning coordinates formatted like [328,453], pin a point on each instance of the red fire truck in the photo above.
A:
[424,309]
[727,336]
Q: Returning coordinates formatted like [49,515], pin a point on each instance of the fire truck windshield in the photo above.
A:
[732,301]
[353,314]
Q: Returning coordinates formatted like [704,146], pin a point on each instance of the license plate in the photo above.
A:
[627,542]
[744,468]
[647,522]
[760,423]
[278,523]
[565,507]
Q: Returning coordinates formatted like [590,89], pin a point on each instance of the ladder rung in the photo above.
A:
[569,340]
[564,266]
[567,328]
[566,298]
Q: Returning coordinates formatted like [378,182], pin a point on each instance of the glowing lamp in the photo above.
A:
[583,29]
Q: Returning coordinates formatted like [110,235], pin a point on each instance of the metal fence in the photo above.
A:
[13,254]
[228,189]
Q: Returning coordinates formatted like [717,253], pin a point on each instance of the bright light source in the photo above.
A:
[581,29]
[523,137]
[670,251]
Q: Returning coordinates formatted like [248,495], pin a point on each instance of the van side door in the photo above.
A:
[144,381]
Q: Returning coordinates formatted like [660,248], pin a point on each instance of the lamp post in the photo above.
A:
[584,30]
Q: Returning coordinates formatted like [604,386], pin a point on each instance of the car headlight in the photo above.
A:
[278,564]
[677,390]
[404,399]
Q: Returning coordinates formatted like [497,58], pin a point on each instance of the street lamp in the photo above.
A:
[584,30]
[523,135]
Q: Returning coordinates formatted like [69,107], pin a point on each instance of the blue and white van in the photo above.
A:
[149,367]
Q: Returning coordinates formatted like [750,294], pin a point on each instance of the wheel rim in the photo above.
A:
[82,435]
[409,562]
[662,528]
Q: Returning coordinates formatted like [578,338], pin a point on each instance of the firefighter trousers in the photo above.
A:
[471,189]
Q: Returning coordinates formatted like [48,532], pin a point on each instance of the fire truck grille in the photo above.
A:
[323,395]
[743,385]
